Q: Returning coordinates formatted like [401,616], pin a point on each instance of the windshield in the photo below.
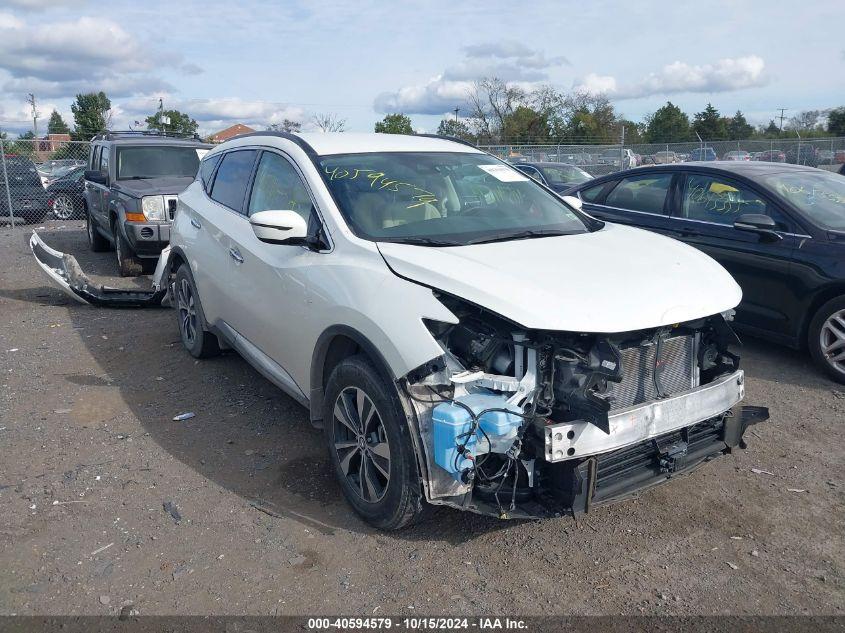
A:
[819,195]
[442,199]
[565,174]
[157,161]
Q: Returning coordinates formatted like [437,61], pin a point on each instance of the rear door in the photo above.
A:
[92,196]
[640,199]
[703,215]
[218,218]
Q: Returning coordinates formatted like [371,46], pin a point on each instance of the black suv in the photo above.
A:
[131,188]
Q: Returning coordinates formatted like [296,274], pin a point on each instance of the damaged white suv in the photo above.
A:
[464,335]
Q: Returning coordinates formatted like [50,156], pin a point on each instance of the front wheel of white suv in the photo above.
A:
[370,445]
[197,340]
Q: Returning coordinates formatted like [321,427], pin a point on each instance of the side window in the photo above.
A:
[591,194]
[720,200]
[529,171]
[207,169]
[232,178]
[104,159]
[645,193]
[95,157]
[278,187]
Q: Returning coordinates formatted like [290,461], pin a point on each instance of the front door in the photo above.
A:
[706,210]
[640,200]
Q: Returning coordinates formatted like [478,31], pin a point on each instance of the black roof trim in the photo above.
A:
[454,139]
[293,138]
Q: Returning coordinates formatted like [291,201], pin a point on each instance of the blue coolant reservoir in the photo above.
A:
[452,422]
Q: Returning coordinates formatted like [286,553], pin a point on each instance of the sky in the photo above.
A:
[260,61]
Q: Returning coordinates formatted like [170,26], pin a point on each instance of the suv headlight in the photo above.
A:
[153,208]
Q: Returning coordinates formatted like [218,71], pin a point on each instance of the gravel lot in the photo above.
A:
[89,455]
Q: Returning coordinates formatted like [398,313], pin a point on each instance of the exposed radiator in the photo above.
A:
[675,369]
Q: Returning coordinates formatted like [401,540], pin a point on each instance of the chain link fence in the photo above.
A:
[599,160]
[39,177]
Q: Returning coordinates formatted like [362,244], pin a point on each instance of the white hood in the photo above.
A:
[617,279]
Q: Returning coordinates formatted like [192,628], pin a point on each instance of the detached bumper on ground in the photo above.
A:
[64,272]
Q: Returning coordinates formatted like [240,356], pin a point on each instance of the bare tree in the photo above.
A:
[329,122]
[491,102]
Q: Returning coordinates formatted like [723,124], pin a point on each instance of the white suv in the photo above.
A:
[465,336]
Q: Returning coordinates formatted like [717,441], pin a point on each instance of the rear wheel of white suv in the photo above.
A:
[370,445]
[192,328]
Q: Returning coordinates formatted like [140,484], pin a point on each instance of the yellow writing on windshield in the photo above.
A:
[379,181]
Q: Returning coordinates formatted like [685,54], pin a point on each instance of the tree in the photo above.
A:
[836,121]
[24,146]
[738,127]
[805,121]
[328,123]
[56,124]
[180,122]
[633,131]
[454,128]
[285,126]
[771,130]
[525,124]
[394,124]
[587,118]
[491,101]
[91,115]
[709,125]
[667,125]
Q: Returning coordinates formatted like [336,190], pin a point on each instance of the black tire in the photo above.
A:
[128,265]
[193,329]
[826,338]
[96,242]
[358,458]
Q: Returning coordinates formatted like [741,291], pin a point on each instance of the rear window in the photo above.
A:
[232,177]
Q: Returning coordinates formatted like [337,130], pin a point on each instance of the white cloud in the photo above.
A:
[510,61]
[40,5]
[88,53]
[724,75]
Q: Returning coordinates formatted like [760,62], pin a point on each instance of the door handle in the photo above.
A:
[196,224]
[235,254]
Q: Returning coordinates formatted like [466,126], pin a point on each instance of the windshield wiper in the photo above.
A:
[138,178]
[422,241]
[521,235]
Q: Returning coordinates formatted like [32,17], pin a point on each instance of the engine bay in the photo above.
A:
[521,423]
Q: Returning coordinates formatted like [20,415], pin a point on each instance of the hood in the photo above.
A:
[163,185]
[617,279]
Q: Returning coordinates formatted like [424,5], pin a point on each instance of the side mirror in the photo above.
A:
[95,175]
[758,223]
[279,227]
[573,201]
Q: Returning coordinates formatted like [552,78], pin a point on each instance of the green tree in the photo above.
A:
[836,121]
[771,130]
[285,126]
[394,124]
[180,122]
[91,115]
[633,131]
[586,118]
[56,124]
[709,125]
[738,127]
[667,125]
[525,124]
[456,129]
[24,146]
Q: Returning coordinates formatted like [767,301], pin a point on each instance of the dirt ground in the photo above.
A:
[90,455]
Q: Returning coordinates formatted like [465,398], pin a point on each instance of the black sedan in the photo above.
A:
[67,195]
[779,229]
[557,176]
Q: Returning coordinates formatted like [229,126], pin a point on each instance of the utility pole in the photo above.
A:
[30,99]
[456,110]
[781,118]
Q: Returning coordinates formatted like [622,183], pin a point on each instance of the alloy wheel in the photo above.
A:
[832,340]
[187,312]
[361,444]
[63,208]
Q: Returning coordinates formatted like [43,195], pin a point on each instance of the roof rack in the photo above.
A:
[109,135]
[454,139]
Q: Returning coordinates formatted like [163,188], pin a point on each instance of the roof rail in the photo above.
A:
[108,135]
[301,142]
[454,139]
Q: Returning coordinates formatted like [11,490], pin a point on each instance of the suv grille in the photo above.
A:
[675,368]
